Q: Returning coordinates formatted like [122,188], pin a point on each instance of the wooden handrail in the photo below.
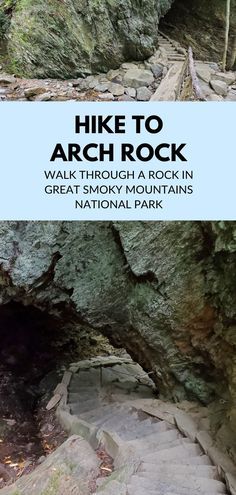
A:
[194,78]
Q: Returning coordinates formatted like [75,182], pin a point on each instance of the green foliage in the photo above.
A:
[4,23]
[7,5]
[6,8]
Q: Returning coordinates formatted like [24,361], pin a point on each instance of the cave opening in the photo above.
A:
[28,352]
[201,25]
[35,349]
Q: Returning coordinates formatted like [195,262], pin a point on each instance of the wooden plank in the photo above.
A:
[169,88]
[66,378]
[53,402]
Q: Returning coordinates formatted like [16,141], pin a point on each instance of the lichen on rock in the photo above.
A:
[74,37]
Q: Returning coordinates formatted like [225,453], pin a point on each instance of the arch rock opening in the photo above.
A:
[201,25]
[163,291]
[35,350]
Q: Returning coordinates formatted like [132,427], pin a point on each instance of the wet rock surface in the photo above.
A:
[164,291]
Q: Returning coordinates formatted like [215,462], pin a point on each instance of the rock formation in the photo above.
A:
[71,38]
[163,290]
[64,39]
[201,24]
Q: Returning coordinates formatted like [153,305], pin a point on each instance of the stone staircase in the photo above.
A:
[214,85]
[117,426]
[173,50]
[106,404]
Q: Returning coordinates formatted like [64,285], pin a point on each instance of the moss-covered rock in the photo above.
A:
[64,39]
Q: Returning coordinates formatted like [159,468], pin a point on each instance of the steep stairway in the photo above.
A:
[172,48]
[124,441]
[105,403]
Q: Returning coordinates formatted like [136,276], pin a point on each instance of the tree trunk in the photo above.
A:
[227,23]
[233,54]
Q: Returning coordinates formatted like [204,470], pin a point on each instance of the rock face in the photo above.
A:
[201,24]
[69,38]
[163,290]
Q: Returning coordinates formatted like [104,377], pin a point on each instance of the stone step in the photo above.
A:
[156,440]
[81,407]
[210,472]
[88,378]
[156,447]
[116,422]
[159,487]
[165,45]
[76,387]
[180,451]
[81,397]
[143,424]
[176,58]
[102,413]
[199,460]
[128,389]
[143,429]
[181,480]
[117,374]
[123,372]
[135,490]
[120,397]
[173,52]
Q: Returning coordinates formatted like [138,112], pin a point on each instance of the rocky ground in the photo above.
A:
[158,78]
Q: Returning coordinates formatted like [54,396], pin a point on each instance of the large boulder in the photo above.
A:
[69,470]
[67,38]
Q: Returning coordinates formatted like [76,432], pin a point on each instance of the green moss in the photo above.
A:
[44,39]
[67,39]
[53,486]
